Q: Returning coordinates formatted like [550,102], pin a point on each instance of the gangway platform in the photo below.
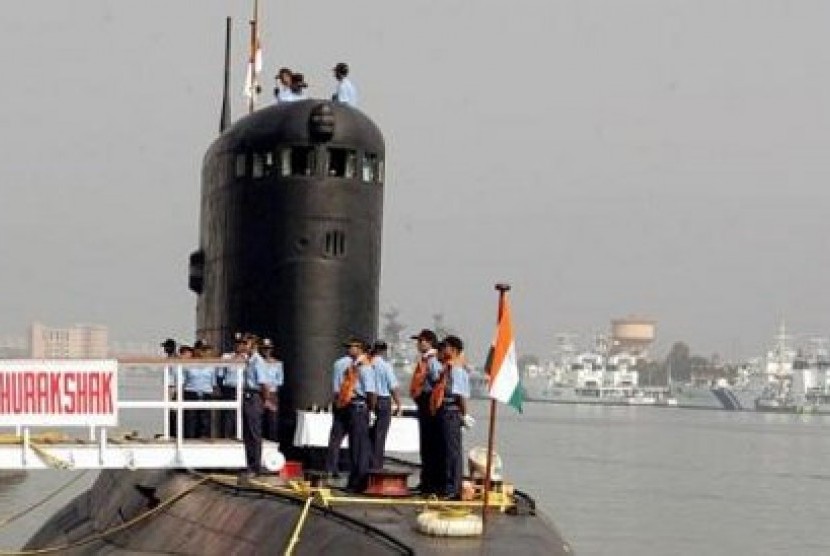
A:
[41,401]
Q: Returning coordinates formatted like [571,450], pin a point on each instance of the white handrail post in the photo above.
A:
[238,411]
[102,446]
[166,398]
[179,411]
[25,454]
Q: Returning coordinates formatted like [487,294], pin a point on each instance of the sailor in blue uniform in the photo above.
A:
[426,373]
[346,91]
[452,413]
[255,388]
[387,391]
[282,92]
[357,395]
[199,383]
[339,416]
[169,347]
[274,372]
[227,379]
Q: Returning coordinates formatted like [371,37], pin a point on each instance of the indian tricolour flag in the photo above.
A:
[502,369]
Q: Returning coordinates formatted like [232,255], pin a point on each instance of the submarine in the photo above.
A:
[289,248]
[290,239]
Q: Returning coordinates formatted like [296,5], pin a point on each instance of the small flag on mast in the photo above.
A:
[502,368]
[252,88]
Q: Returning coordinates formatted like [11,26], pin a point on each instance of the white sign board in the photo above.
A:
[36,392]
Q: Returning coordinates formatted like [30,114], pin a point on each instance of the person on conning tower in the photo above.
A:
[346,91]
[298,86]
[282,92]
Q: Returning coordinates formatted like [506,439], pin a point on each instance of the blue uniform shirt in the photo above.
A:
[201,380]
[365,381]
[385,379]
[273,371]
[346,92]
[339,370]
[255,374]
[458,382]
[228,374]
[433,373]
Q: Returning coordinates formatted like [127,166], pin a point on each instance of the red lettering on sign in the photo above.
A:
[69,389]
[107,405]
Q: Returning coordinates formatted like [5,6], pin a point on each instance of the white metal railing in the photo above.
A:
[98,434]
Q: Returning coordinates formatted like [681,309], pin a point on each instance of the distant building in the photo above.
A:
[81,341]
[13,347]
[633,335]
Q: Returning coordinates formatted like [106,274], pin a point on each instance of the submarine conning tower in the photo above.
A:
[290,237]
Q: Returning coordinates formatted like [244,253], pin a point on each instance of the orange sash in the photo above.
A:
[419,378]
[436,400]
[344,396]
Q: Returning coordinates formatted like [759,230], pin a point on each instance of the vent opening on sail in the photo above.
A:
[334,244]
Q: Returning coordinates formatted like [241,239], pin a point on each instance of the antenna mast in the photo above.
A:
[225,118]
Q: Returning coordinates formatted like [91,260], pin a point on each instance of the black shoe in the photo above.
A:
[244,479]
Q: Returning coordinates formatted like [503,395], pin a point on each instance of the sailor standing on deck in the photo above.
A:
[274,371]
[169,347]
[255,389]
[449,404]
[357,395]
[227,385]
[339,416]
[426,373]
[199,385]
[387,392]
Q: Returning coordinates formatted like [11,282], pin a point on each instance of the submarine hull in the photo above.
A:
[219,519]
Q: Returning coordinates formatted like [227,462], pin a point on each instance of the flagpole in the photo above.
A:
[252,59]
[502,288]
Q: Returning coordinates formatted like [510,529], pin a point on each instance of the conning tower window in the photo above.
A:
[298,161]
[342,163]
[240,165]
[262,165]
[372,168]
[335,244]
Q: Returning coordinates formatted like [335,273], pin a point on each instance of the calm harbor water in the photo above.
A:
[620,480]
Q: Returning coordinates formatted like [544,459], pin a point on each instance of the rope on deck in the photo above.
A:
[113,530]
[14,517]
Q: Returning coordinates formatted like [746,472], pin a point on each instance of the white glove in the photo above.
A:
[468,422]
[372,418]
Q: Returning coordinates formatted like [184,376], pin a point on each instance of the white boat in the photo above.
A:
[589,377]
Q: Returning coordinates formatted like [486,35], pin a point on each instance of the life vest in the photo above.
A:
[419,375]
[346,393]
[439,390]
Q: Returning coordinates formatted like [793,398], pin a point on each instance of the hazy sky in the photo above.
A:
[607,157]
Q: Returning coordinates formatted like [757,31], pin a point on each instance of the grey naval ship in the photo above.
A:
[290,245]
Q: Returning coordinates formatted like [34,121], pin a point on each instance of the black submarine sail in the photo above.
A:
[290,237]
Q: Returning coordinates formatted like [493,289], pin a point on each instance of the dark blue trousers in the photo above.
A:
[339,430]
[227,417]
[360,447]
[252,430]
[383,411]
[196,421]
[431,437]
[450,418]
[270,424]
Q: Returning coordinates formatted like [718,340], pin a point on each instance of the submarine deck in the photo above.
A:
[164,511]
